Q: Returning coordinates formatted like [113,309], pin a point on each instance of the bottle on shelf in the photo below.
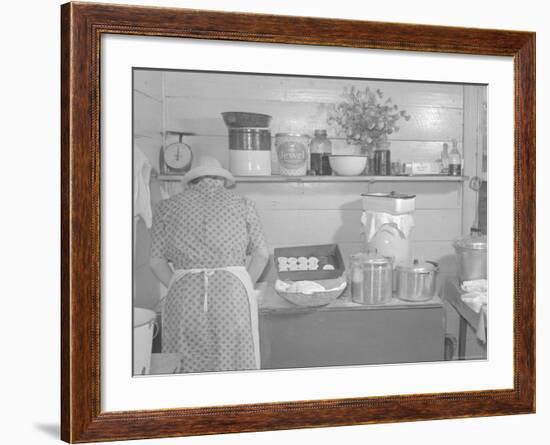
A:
[445,159]
[455,160]
[320,149]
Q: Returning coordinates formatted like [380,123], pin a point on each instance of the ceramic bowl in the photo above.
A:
[237,119]
[348,165]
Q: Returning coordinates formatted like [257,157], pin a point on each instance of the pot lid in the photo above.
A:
[474,241]
[418,267]
[371,257]
[395,195]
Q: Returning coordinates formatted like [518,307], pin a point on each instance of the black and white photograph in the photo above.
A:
[284,221]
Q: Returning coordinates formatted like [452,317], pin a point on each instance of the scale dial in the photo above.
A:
[178,157]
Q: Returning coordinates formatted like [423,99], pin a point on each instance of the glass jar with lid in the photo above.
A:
[320,149]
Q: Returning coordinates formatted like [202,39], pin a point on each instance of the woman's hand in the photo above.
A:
[161,270]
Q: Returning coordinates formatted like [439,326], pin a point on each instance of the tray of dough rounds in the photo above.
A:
[312,263]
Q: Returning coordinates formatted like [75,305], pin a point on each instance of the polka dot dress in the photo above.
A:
[207,226]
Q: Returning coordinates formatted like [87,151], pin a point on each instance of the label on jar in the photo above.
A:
[292,156]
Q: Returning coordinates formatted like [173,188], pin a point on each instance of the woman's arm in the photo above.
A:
[161,270]
[258,261]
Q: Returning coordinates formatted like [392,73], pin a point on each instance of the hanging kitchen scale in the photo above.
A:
[176,158]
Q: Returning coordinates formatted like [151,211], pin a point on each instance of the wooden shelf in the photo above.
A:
[277,178]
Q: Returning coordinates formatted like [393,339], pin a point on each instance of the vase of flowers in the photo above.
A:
[366,119]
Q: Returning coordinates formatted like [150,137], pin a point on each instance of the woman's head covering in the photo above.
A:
[208,166]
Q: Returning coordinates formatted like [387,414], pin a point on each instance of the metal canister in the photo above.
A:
[371,278]
[471,257]
[416,281]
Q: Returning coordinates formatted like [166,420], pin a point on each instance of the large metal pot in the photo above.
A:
[471,257]
[416,281]
[371,278]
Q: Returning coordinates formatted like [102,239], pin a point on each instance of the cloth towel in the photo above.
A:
[142,191]
[372,221]
[476,299]
[304,287]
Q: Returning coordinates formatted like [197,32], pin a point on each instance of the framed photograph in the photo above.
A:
[274,222]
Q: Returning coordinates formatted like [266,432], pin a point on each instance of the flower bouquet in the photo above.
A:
[365,118]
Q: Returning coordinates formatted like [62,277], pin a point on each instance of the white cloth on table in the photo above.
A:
[476,299]
[304,287]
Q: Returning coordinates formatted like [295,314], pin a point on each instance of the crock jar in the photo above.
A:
[250,151]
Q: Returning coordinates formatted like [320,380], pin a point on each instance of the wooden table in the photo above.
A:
[347,333]
[467,316]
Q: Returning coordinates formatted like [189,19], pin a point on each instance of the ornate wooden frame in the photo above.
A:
[81,28]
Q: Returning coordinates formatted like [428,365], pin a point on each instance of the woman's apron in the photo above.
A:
[242,274]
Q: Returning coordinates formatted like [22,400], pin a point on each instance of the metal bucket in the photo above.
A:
[471,258]
[144,332]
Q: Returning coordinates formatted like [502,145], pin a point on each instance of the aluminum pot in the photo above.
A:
[371,278]
[471,257]
[416,281]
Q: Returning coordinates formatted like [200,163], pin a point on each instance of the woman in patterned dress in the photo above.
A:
[201,239]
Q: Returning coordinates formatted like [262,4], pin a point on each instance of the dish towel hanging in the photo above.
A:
[142,191]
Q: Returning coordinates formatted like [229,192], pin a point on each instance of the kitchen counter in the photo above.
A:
[346,333]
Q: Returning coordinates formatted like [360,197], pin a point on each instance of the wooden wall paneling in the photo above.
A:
[148,83]
[147,126]
[304,89]
[195,101]
[203,116]
[147,115]
[474,99]
[324,226]
[345,196]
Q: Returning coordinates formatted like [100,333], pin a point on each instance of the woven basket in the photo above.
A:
[316,299]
